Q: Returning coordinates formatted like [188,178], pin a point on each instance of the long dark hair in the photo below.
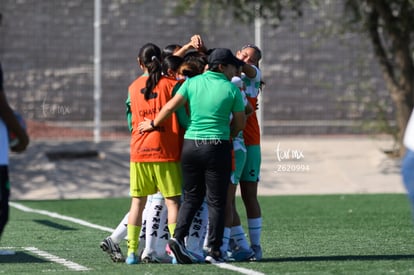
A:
[172,62]
[150,56]
[169,50]
[195,62]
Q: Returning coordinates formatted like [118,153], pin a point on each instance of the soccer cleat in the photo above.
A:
[168,250]
[214,257]
[131,259]
[257,253]
[227,257]
[163,259]
[148,259]
[196,258]
[180,252]
[113,250]
[240,254]
[170,254]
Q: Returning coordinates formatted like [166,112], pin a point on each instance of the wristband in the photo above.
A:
[152,124]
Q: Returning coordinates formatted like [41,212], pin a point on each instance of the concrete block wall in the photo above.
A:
[46,49]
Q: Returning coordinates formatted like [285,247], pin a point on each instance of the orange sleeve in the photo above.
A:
[251,132]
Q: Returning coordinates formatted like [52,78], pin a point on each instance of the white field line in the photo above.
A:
[239,269]
[107,229]
[50,257]
[61,217]
[56,259]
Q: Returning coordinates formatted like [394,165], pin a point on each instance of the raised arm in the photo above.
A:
[238,123]
[196,42]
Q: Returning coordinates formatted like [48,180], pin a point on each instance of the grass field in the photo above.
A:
[330,234]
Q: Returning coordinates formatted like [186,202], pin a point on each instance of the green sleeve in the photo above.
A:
[181,112]
[129,113]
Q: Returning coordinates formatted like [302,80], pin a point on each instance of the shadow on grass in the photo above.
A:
[54,225]
[341,258]
[19,258]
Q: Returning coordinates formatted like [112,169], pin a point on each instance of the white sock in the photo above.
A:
[154,223]
[196,235]
[142,237]
[255,230]
[120,231]
[205,238]
[163,234]
[238,236]
[226,239]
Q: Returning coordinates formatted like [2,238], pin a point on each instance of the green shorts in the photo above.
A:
[240,160]
[251,171]
[146,178]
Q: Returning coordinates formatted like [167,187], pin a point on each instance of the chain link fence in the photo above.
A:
[314,84]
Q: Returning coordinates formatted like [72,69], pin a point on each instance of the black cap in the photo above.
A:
[223,56]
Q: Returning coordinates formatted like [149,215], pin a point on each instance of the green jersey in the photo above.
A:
[211,99]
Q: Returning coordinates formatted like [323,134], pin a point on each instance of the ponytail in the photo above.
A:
[150,56]
[154,71]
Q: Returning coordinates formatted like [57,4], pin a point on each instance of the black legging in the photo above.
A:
[4,197]
[206,168]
